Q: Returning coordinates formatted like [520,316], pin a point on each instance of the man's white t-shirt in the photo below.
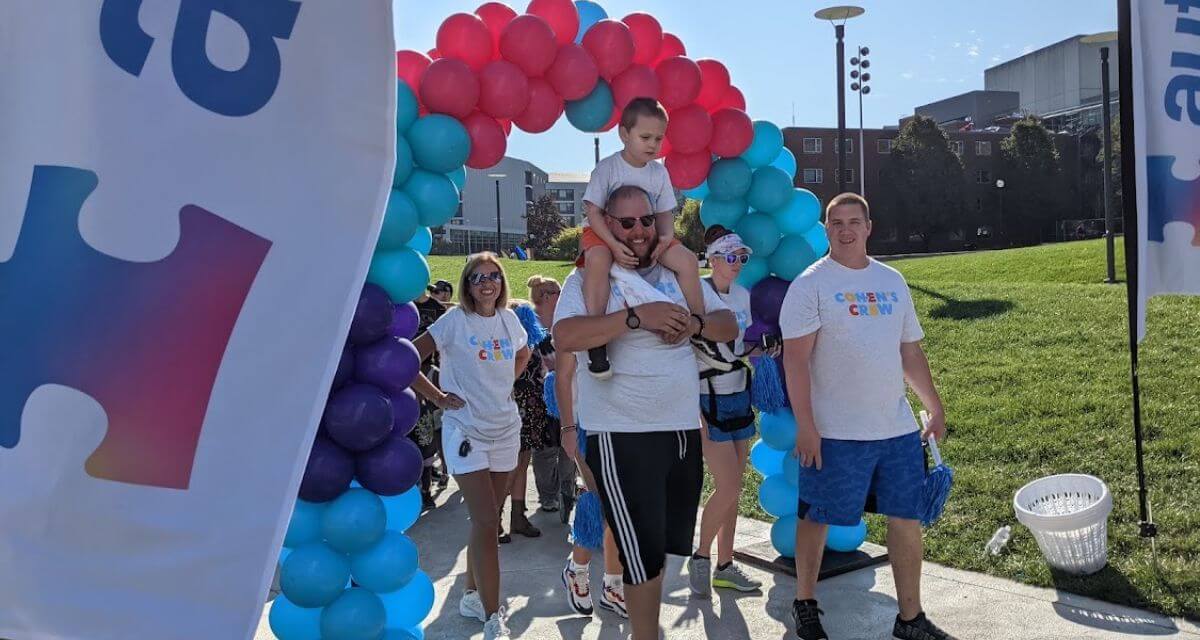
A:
[738,301]
[477,356]
[613,172]
[655,386]
[861,317]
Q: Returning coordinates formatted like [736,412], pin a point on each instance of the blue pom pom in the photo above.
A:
[766,389]
[533,326]
[549,396]
[588,530]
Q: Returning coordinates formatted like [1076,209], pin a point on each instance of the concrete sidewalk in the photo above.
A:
[857,605]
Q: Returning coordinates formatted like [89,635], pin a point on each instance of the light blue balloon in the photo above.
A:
[291,622]
[770,189]
[403,273]
[766,460]
[357,615]
[411,633]
[305,525]
[404,162]
[421,241]
[759,231]
[791,469]
[354,521]
[314,575]
[409,606]
[783,536]
[792,257]
[458,177]
[407,111]
[753,271]
[697,193]
[778,429]
[767,143]
[589,14]
[387,565]
[817,239]
[730,178]
[403,510]
[786,160]
[799,214]
[400,221]
[439,143]
[591,112]
[846,539]
[434,194]
[723,212]
[284,552]
[777,496]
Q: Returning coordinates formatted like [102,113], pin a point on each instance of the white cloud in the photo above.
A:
[907,75]
[973,51]
[942,80]
[1027,49]
[957,45]
[996,58]
[1006,46]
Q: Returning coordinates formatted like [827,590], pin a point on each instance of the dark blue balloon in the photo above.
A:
[391,468]
[328,473]
[406,409]
[766,298]
[390,364]
[405,320]
[372,316]
[345,367]
[358,417]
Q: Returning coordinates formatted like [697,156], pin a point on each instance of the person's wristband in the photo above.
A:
[700,320]
[569,427]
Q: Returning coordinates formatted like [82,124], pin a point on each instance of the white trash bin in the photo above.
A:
[1068,515]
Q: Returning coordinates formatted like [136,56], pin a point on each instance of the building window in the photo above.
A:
[983,148]
[814,176]
[983,176]
[849,146]
[956,146]
[566,208]
[564,194]
[849,175]
[812,145]
[884,146]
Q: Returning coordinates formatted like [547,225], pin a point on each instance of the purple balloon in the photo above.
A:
[405,411]
[390,364]
[757,330]
[372,316]
[358,417]
[329,472]
[405,320]
[345,367]
[766,298]
[391,468]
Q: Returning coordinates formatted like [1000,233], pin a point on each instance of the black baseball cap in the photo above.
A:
[442,285]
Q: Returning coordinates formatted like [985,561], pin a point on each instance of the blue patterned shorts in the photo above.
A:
[892,470]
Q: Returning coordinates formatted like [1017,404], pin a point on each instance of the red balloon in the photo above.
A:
[503,90]
[647,37]
[611,46]
[638,81]
[449,86]
[561,15]
[715,83]
[690,129]
[614,121]
[732,132]
[733,99]
[678,81]
[545,106]
[488,142]
[665,149]
[688,170]
[496,15]
[573,74]
[507,124]
[671,46]
[528,42]
[465,37]
[434,54]
[409,67]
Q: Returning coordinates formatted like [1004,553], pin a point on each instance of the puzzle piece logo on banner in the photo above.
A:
[145,340]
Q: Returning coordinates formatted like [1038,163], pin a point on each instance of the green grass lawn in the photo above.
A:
[1030,353]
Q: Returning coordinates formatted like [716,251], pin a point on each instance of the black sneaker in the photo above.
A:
[427,502]
[598,363]
[807,618]
[919,628]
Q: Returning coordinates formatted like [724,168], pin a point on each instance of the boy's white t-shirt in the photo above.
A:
[477,355]
[613,172]
[861,317]
[738,301]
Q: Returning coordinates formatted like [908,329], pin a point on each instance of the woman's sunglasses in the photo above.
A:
[734,258]
[627,223]
[477,279]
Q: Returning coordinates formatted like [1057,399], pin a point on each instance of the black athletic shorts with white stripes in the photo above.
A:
[650,488]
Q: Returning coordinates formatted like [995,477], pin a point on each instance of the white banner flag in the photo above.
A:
[190,192]
[1166,101]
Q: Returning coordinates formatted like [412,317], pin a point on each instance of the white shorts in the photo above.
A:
[498,456]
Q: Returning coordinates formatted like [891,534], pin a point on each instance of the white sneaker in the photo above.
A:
[613,599]
[471,606]
[496,628]
[579,589]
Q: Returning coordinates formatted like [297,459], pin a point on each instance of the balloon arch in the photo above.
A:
[348,572]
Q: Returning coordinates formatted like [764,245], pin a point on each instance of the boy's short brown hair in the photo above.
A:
[849,198]
[638,107]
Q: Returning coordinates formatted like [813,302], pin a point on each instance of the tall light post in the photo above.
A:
[1000,230]
[861,77]
[1109,223]
[498,177]
[837,16]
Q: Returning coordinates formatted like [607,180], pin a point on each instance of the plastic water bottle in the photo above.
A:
[999,540]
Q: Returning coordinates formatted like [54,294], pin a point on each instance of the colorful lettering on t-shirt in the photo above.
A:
[492,348]
[867,304]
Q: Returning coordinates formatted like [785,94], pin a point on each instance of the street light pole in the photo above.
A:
[1109,223]
[838,16]
[860,86]
[498,177]
[1000,230]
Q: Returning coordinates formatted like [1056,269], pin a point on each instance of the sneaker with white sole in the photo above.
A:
[734,577]
[613,599]
[700,576]
[496,627]
[471,606]
[579,588]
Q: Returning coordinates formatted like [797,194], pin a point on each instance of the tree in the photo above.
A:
[688,227]
[542,223]
[1035,192]
[1117,199]
[926,180]
[565,245]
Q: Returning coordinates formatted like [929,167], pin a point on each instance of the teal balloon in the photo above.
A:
[589,14]
[458,177]
[387,565]
[291,622]
[817,239]
[791,469]
[846,539]
[404,162]
[421,241]
[778,429]
[758,268]
[759,231]
[439,143]
[783,536]
[400,221]
[412,633]
[723,212]
[697,193]
[403,273]
[357,615]
[407,110]
[767,143]
[314,575]
[786,160]
[409,606]
[770,189]
[403,510]
[730,178]
[778,497]
[766,460]
[792,257]
[434,194]
[354,521]
[305,525]
[591,112]
[800,213]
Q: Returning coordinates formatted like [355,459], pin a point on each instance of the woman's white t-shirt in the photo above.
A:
[478,364]
[738,300]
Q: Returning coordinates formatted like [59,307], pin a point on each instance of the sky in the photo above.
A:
[783,59]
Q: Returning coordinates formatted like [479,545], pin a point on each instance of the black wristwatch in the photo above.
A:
[699,318]
[632,320]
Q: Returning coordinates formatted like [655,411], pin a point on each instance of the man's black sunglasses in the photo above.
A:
[627,223]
